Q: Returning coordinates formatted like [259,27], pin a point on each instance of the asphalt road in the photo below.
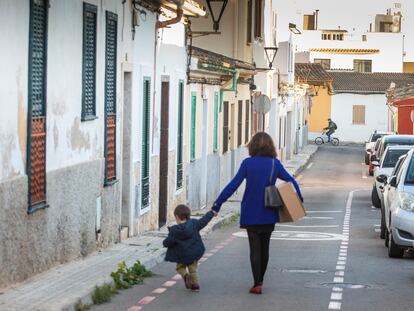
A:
[331,260]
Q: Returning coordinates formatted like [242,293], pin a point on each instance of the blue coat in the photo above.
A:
[184,242]
[256,171]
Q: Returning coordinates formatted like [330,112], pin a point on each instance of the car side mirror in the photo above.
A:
[382,179]
[393,181]
[373,158]
[375,163]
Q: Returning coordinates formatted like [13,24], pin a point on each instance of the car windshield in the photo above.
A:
[375,137]
[409,179]
[392,157]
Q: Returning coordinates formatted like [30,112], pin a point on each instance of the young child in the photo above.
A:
[185,246]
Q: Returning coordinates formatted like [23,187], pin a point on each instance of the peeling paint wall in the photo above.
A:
[30,244]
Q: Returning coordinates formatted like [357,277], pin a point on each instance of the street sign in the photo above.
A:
[262,104]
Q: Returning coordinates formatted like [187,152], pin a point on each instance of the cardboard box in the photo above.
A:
[293,209]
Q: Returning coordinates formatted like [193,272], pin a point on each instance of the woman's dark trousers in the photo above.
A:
[259,242]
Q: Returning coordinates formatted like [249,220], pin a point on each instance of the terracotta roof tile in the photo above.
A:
[368,83]
[311,73]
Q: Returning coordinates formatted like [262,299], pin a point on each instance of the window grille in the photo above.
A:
[145,178]
[180,135]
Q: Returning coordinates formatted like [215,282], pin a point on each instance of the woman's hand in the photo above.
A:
[215,213]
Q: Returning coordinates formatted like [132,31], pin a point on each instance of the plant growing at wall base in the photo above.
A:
[103,293]
[126,277]
[80,306]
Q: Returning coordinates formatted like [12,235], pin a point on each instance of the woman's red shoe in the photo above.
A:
[256,290]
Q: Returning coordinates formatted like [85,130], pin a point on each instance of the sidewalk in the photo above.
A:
[61,287]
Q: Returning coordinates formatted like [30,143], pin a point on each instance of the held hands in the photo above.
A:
[215,213]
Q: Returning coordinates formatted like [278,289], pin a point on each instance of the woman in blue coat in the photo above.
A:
[258,220]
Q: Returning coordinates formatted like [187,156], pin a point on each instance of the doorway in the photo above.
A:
[203,186]
[163,184]
[127,212]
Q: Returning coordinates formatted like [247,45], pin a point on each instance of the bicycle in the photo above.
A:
[319,140]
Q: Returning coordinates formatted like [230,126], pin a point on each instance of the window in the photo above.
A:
[193,126]
[362,65]
[258,18]
[358,114]
[145,178]
[36,138]
[89,62]
[249,21]
[392,156]
[364,38]
[110,97]
[325,62]
[216,116]
[180,135]
[240,124]
[247,125]
[333,36]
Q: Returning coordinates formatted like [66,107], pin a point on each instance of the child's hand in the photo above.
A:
[215,213]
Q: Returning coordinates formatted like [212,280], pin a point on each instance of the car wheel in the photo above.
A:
[366,158]
[393,250]
[383,227]
[375,198]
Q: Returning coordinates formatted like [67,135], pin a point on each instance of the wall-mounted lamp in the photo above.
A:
[294,29]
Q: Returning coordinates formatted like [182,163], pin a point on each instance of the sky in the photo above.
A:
[348,14]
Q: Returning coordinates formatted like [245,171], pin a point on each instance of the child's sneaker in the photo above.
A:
[187,281]
[195,287]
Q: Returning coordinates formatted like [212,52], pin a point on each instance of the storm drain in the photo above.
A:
[304,271]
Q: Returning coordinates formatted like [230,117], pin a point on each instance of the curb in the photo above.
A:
[150,263]
[301,168]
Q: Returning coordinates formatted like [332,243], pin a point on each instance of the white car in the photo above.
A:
[370,143]
[385,168]
[399,208]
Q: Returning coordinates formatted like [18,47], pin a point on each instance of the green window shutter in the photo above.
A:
[37,59]
[180,135]
[193,126]
[215,134]
[89,62]
[110,62]
[110,97]
[145,178]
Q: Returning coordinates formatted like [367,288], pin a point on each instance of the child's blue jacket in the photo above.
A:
[184,242]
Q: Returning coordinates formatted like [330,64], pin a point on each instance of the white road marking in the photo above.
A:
[334,305]
[297,226]
[336,294]
[310,165]
[310,212]
[311,217]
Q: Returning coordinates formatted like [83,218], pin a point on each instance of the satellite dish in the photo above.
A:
[262,104]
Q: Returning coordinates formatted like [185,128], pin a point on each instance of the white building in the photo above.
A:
[61,87]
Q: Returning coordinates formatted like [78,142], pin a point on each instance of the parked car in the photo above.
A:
[399,209]
[385,193]
[392,140]
[370,143]
[373,153]
[384,168]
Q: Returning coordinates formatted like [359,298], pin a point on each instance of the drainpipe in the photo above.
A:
[232,89]
[175,20]
[227,70]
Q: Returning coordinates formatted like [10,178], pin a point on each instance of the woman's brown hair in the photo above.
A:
[261,145]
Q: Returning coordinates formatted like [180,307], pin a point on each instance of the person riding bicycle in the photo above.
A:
[331,128]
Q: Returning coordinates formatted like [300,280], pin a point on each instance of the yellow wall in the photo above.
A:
[321,111]
[409,67]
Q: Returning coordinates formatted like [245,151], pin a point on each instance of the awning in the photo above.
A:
[190,8]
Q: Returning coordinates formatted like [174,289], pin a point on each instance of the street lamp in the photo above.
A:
[271,54]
